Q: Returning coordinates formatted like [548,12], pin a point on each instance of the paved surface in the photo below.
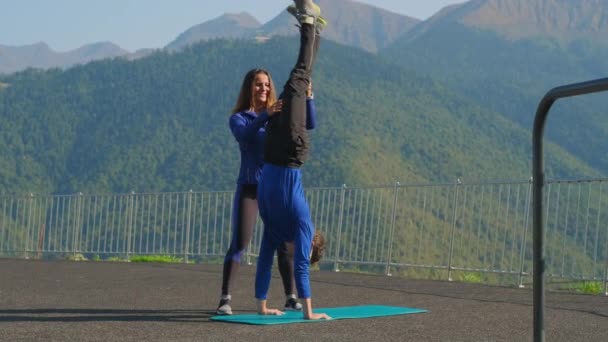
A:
[89,301]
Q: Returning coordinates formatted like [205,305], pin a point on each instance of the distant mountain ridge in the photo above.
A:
[360,25]
[229,25]
[351,23]
[40,55]
[516,19]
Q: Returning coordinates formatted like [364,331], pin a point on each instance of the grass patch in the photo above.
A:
[588,287]
[470,277]
[76,257]
[167,259]
[160,258]
[116,259]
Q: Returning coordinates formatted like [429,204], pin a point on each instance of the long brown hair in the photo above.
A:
[318,247]
[245,99]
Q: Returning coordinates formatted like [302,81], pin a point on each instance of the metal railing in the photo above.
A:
[447,228]
[542,112]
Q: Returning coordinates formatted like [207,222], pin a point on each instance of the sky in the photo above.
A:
[133,24]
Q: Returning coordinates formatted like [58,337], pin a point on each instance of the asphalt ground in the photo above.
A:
[104,301]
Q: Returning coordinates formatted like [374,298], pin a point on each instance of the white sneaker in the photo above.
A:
[223,307]
[292,305]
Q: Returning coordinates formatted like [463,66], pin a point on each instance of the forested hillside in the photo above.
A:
[511,76]
[160,124]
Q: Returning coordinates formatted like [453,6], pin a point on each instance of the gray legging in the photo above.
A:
[244,214]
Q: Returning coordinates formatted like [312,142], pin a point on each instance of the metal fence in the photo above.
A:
[462,228]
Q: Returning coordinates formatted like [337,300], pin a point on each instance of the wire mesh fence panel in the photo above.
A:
[480,227]
[576,230]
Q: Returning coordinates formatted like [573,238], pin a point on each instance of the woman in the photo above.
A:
[283,206]
[256,103]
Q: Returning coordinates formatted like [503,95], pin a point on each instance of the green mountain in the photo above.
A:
[160,124]
[507,75]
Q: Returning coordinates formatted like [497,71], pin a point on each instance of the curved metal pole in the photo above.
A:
[538,184]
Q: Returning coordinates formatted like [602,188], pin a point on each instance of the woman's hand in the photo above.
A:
[272,312]
[275,108]
[317,316]
[307,311]
[264,310]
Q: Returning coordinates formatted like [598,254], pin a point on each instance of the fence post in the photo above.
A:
[606,271]
[75,224]
[80,221]
[339,235]
[130,200]
[453,233]
[522,256]
[605,246]
[187,239]
[27,226]
[390,239]
[72,220]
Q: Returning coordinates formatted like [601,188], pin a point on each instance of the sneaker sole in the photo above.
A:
[223,312]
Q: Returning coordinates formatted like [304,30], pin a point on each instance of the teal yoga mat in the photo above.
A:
[346,312]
